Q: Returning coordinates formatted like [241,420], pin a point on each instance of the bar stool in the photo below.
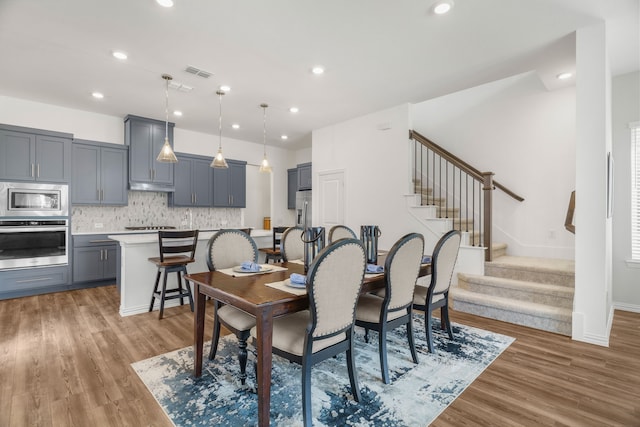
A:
[274,254]
[174,243]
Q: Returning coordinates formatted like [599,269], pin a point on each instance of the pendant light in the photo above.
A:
[166,154]
[218,160]
[264,166]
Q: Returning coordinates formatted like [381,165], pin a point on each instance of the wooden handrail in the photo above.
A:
[459,162]
[568,222]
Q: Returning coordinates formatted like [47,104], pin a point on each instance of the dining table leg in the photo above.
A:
[264,327]
[198,330]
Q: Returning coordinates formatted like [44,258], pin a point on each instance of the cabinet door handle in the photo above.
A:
[33,174]
[101,241]
[195,198]
[106,255]
[38,171]
[39,279]
[101,195]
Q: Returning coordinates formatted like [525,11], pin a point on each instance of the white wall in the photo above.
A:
[375,164]
[524,134]
[626,109]
[100,127]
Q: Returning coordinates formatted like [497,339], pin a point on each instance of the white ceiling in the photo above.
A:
[377,54]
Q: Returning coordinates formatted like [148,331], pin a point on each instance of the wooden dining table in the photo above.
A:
[250,293]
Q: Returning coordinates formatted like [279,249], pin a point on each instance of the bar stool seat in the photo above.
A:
[273,253]
[182,246]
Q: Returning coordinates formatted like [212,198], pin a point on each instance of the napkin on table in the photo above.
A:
[372,268]
[250,266]
[298,279]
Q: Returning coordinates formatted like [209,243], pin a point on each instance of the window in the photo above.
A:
[635,191]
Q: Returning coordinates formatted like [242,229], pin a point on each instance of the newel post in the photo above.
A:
[487,191]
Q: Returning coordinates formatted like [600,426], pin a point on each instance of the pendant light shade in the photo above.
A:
[264,166]
[218,160]
[166,154]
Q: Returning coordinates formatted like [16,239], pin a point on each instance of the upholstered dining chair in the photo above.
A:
[436,295]
[291,245]
[338,232]
[326,328]
[393,309]
[226,249]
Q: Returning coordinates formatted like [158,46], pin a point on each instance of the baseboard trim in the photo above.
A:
[626,307]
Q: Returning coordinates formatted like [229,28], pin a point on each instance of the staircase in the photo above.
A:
[533,292]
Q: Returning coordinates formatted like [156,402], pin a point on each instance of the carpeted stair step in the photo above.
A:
[499,250]
[540,293]
[530,269]
[525,313]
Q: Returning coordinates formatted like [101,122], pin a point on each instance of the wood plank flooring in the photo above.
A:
[65,361]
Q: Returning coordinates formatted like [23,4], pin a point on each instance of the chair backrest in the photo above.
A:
[443,260]
[338,232]
[229,248]
[177,242]
[402,267]
[277,236]
[334,280]
[292,246]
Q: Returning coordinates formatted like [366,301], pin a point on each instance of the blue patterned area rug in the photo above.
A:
[416,396]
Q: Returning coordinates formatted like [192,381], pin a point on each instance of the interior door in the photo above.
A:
[331,204]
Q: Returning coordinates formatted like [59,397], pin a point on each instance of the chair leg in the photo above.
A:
[427,327]
[366,335]
[353,375]
[444,319]
[306,392]
[180,291]
[242,358]
[412,345]
[155,289]
[162,294]
[188,287]
[382,349]
[216,334]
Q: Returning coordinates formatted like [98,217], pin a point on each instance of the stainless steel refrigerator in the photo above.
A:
[303,207]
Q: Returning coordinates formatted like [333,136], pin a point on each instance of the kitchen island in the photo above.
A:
[136,275]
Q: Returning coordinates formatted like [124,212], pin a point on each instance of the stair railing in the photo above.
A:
[460,189]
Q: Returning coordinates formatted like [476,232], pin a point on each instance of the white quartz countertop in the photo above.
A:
[151,236]
[255,233]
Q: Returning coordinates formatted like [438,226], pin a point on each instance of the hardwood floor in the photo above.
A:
[65,361]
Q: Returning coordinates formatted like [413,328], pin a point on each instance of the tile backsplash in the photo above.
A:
[149,208]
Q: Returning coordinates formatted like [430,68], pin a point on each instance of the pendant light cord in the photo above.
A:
[264,128]
[166,108]
[220,93]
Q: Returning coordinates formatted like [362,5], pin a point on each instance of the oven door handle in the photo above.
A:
[30,229]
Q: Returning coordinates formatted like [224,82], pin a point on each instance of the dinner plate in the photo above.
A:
[294,285]
[239,269]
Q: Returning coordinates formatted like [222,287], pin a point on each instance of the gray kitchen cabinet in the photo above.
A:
[193,182]
[292,187]
[31,281]
[94,258]
[230,185]
[145,138]
[28,154]
[304,176]
[99,174]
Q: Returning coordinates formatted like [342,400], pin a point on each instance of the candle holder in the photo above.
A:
[369,235]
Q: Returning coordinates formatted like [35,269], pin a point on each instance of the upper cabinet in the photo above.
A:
[194,182]
[230,185]
[292,187]
[34,155]
[99,174]
[145,138]
[304,176]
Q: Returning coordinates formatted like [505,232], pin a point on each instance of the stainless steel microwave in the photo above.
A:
[33,199]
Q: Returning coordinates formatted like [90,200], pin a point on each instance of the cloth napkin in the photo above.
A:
[250,266]
[372,268]
[426,259]
[298,279]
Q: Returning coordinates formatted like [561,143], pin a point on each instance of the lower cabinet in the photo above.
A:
[94,258]
[15,283]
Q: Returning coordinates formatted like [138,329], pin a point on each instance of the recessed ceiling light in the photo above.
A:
[564,76]
[97,95]
[225,88]
[293,109]
[177,113]
[317,70]
[235,126]
[442,7]
[165,3]
[283,137]
[118,54]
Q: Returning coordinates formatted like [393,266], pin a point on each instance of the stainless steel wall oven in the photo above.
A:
[34,225]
